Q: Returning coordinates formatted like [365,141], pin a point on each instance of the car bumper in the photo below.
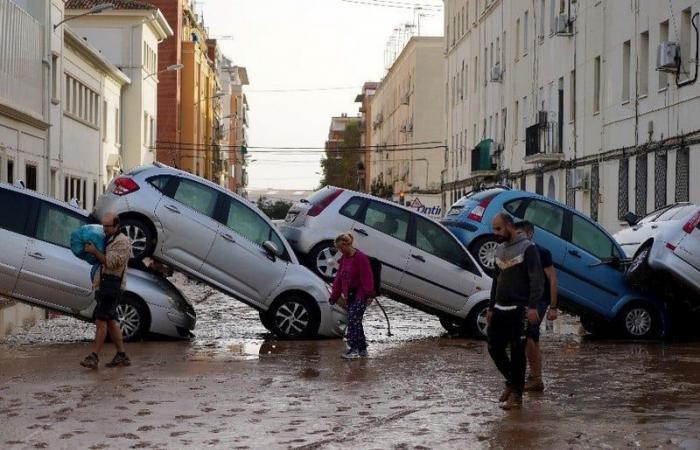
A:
[299,238]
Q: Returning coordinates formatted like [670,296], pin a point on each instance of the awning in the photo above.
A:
[484,153]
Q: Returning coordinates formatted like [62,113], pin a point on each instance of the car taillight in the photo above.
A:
[323,204]
[124,185]
[670,246]
[477,213]
[692,223]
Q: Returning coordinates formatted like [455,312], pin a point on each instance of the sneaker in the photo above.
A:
[505,394]
[363,353]
[351,354]
[91,361]
[119,360]
[515,401]
[534,385]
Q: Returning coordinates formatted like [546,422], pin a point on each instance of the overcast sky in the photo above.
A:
[304,44]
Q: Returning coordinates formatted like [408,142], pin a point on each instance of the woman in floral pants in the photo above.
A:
[354,286]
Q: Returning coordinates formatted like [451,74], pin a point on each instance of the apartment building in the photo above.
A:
[568,99]
[365,101]
[234,125]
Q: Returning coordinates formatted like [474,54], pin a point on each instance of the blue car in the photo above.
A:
[588,261]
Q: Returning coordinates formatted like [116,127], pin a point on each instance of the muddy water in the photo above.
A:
[233,386]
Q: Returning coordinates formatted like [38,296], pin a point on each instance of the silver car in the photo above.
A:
[219,238]
[38,267]
[424,265]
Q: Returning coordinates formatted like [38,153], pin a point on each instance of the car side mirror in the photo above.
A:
[271,249]
[631,218]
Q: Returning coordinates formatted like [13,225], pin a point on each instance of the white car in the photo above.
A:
[673,248]
[423,264]
[642,231]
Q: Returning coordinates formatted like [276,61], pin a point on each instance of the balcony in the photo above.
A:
[543,144]
[482,166]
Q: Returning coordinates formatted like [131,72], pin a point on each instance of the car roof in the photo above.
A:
[42,196]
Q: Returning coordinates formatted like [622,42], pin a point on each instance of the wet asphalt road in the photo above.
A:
[234,386]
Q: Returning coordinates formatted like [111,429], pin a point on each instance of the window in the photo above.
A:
[545,215]
[476,73]
[503,51]
[626,71]
[572,96]
[516,46]
[517,119]
[434,240]
[486,67]
[514,207]
[524,124]
[54,77]
[196,196]
[159,182]
[14,210]
[643,63]
[596,85]
[52,187]
[552,16]
[352,207]
[663,37]
[145,129]
[81,101]
[104,121]
[388,219]
[247,223]
[685,45]
[30,177]
[542,13]
[56,224]
[152,133]
[94,193]
[588,237]
[525,32]
[10,171]
[117,126]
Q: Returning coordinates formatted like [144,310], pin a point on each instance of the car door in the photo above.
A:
[189,227]
[590,281]
[237,260]
[51,275]
[382,232]
[437,272]
[14,213]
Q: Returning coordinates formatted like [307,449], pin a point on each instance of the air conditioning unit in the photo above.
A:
[580,179]
[496,73]
[561,24]
[667,56]
[405,99]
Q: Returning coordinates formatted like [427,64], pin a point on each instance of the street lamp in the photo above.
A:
[172,68]
[102,7]
[218,94]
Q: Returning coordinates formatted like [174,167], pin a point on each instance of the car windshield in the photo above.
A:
[678,212]
[318,196]
[470,198]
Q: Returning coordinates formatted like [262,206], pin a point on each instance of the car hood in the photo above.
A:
[163,283]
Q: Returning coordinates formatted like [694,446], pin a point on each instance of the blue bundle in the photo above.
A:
[83,235]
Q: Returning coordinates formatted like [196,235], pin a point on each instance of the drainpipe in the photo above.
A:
[697,41]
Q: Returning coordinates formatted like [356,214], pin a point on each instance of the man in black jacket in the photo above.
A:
[517,289]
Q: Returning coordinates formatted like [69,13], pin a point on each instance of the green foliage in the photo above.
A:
[339,167]
[274,210]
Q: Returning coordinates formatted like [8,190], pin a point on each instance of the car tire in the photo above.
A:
[323,260]
[294,317]
[133,318]
[140,237]
[638,272]
[265,320]
[639,321]
[453,325]
[476,321]
[596,327]
[483,251]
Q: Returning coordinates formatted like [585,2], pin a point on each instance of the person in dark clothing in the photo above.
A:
[547,306]
[516,290]
[353,288]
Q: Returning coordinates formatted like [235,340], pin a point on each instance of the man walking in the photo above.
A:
[549,299]
[516,291]
[109,282]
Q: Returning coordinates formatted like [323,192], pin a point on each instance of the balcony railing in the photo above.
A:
[542,143]
[481,158]
[21,48]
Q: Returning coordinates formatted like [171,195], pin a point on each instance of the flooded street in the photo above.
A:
[233,386]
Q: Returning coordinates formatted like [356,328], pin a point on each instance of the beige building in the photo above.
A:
[407,113]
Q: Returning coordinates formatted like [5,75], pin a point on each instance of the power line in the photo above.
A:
[395,4]
[338,88]
[272,147]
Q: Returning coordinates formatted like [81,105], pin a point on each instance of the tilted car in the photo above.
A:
[588,261]
[38,267]
[423,265]
[221,239]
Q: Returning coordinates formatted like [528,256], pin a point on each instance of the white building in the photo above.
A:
[235,123]
[128,36]
[407,157]
[567,97]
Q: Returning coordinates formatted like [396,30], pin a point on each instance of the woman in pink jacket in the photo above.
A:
[354,286]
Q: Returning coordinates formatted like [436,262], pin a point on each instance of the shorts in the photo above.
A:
[106,308]
[533,331]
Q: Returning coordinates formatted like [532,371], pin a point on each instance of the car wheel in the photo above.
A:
[484,250]
[639,321]
[596,327]
[265,320]
[133,318]
[453,325]
[638,271]
[294,317]
[140,237]
[324,260]
[476,321]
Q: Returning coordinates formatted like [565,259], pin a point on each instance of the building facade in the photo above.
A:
[563,99]
[365,101]
[408,126]
[234,126]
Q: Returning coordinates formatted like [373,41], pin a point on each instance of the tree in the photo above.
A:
[274,210]
[340,164]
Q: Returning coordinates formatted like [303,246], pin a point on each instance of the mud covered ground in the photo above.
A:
[233,386]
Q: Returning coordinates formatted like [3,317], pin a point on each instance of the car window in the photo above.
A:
[159,182]
[545,215]
[197,196]
[676,213]
[56,224]
[352,207]
[513,206]
[438,242]
[590,238]
[14,210]
[388,219]
[247,223]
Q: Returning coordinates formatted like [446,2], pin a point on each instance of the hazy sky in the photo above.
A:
[304,44]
